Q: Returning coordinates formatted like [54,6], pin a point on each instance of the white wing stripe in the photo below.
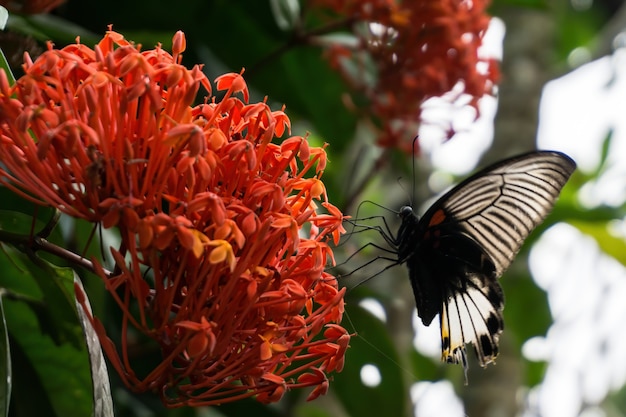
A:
[465,318]
[499,208]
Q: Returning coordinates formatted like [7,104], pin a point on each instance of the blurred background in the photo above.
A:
[562,86]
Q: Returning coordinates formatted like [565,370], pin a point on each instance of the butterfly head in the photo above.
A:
[407,237]
[405,212]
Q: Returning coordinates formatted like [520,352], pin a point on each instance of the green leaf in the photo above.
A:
[102,402]
[45,26]
[313,410]
[28,385]
[526,314]
[606,147]
[62,371]
[522,292]
[22,222]
[248,407]
[17,223]
[372,346]
[610,244]
[53,350]
[56,284]
[5,365]
[530,4]
[4,64]
[429,369]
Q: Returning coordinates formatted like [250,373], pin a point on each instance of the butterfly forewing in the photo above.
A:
[457,251]
[499,206]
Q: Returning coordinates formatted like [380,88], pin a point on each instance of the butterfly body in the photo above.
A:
[456,252]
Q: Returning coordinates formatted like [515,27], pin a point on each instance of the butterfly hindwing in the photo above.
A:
[465,241]
[473,315]
[452,277]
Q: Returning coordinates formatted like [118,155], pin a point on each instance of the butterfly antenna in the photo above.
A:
[363,227]
[413,147]
[374,204]
[394,262]
[354,224]
[410,195]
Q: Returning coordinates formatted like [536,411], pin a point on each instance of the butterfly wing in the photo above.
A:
[451,276]
[468,238]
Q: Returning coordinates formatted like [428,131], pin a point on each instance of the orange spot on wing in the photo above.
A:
[437,218]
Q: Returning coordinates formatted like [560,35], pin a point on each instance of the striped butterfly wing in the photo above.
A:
[468,238]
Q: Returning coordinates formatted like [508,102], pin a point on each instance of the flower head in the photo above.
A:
[224,232]
[101,120]
[420,49]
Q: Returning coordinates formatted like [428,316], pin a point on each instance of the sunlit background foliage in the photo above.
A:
[388,371]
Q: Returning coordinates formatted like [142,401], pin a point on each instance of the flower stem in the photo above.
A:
[36,243]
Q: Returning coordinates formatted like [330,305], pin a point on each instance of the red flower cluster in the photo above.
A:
[223,237]
[420,49]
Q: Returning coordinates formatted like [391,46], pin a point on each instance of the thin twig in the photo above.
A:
[298,38]
[358,190]
[37,243]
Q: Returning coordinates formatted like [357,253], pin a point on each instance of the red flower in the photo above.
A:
[420,49]
[224,233]
[102,119]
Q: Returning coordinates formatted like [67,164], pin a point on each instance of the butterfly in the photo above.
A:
[458,249]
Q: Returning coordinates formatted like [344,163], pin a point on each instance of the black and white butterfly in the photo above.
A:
[465,241]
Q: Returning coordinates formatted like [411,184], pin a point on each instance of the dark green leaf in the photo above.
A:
[58,296]
[307,86]
[102,402]
[314,409]
[248,407]
[61,368]
[44,27]
[521,319]
[62,371]
[531,4]
[426,368]
[5,365]
[4,64]
[372,346]
[606,146]
[610,243]
[11,202]
[29,396]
